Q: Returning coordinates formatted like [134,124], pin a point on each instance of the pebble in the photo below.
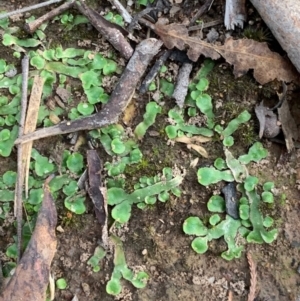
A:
[11,73]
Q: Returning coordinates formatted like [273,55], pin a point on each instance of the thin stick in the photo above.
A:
[19,201]
[201,11]
[122,10]
[118,101]
[28,8]
[205,25]
[19,185]
[31,27]
[25,70]
[112,32]
[253,274]
[153,72]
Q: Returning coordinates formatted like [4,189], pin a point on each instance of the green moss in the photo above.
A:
[257,34]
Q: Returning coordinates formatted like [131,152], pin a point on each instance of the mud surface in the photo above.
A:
[153,239]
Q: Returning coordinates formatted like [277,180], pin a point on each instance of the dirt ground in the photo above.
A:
[153,239]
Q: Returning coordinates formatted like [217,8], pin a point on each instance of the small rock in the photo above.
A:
[231,201]
[86,289]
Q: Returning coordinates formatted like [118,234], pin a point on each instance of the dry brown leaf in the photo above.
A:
[242,54]
[199,149]
[31,277]
[129,113]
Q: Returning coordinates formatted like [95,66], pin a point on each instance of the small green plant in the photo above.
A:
[121,270]
[99,254]
[152,109]
[147,191]
[251,225]
[115,18]
[114,141]
[179,127]
[61,283]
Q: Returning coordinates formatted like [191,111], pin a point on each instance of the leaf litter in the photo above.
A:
[242,54]
[240,66]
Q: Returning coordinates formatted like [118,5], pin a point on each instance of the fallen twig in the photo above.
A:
[31,277]
[253,274]
[118,101]
[153,72]
[201,11]
[182,84]
[112,32]
[18,204]
[122,11]
[134,22]
[205,25]
[28,8]
[32,26]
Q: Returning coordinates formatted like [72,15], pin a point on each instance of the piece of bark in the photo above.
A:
[231,200]
[95,182]
[235,14]
[288,125]
[182,84]
[118,101]
[32,26]
[97,193]
[112,32]
[31,276]
[282,18]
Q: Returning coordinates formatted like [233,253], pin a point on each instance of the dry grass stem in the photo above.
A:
[253,280]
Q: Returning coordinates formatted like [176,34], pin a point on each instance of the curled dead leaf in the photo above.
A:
[243,54]
[199,149]
[193,139]
[31,277]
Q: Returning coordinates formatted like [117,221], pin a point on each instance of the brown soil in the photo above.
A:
[154,240]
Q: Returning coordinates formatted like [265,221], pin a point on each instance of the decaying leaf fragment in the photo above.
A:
[191,143]
[242,54]
[288,124]
[31,277]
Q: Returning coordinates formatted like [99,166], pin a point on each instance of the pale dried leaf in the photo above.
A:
[199,149]
[289,126]
[194,162]
[242,54]
[31,277]
[30,124]
[188,140]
